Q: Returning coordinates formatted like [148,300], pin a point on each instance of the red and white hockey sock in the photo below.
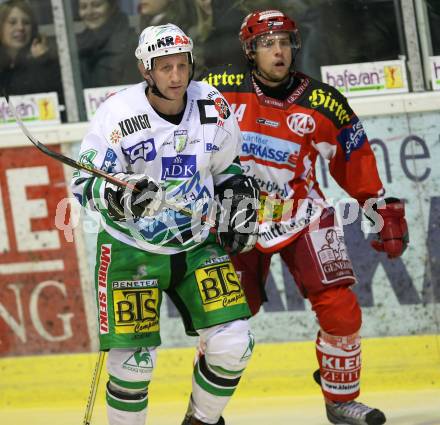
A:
[339,360]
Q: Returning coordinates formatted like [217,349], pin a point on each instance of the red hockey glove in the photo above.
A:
[393,238]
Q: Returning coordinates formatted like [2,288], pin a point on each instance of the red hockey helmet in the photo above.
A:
[267,22]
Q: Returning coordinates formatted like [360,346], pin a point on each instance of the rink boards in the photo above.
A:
[276,370]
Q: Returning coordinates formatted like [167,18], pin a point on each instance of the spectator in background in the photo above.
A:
[204,22]
[215,33]
[332,28]
[161,12]
[201,31]
[27,63]
[105,46]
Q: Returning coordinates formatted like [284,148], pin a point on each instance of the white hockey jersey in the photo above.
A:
[127,135]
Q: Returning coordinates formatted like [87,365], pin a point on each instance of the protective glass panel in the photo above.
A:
[434,24]
[106,40]
[332,31]
[337,32]
[28,51]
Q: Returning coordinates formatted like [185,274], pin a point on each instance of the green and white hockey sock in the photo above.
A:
[126,402]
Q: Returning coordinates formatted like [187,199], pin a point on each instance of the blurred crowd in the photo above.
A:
[332,31]
[28,62]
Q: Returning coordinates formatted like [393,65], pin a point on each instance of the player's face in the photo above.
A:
[171,75]
[17,29]
[273,55]
[94,13]
[152,7]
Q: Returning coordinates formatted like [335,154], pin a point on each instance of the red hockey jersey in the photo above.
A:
[281,142]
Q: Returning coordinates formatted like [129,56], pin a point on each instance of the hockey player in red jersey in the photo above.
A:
[287,119]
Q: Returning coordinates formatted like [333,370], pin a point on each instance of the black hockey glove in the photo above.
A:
[237,216]
[124,203]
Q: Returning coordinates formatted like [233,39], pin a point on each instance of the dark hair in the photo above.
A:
[24,6]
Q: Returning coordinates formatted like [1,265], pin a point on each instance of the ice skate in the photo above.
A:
[191,420]
[350,412]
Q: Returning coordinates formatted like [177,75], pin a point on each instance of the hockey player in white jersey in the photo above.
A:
[176,141]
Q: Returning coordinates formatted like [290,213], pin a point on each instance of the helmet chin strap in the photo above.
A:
[155,90]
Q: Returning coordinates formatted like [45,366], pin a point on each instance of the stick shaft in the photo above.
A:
[94,388]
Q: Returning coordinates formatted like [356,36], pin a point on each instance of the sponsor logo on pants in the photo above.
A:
[219,286]
[136,306]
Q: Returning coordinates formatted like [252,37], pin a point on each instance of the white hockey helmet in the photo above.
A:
[162,40]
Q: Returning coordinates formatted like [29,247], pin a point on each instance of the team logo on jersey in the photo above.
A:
[145,150]
[86,158]
[352,137]
[116,136]
[222,108]
[180,140]
[180,166]
[109,162]
[269,123]
[301,124]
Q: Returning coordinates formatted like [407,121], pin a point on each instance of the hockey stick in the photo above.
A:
[94,388]
[64,159]
[90,169]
